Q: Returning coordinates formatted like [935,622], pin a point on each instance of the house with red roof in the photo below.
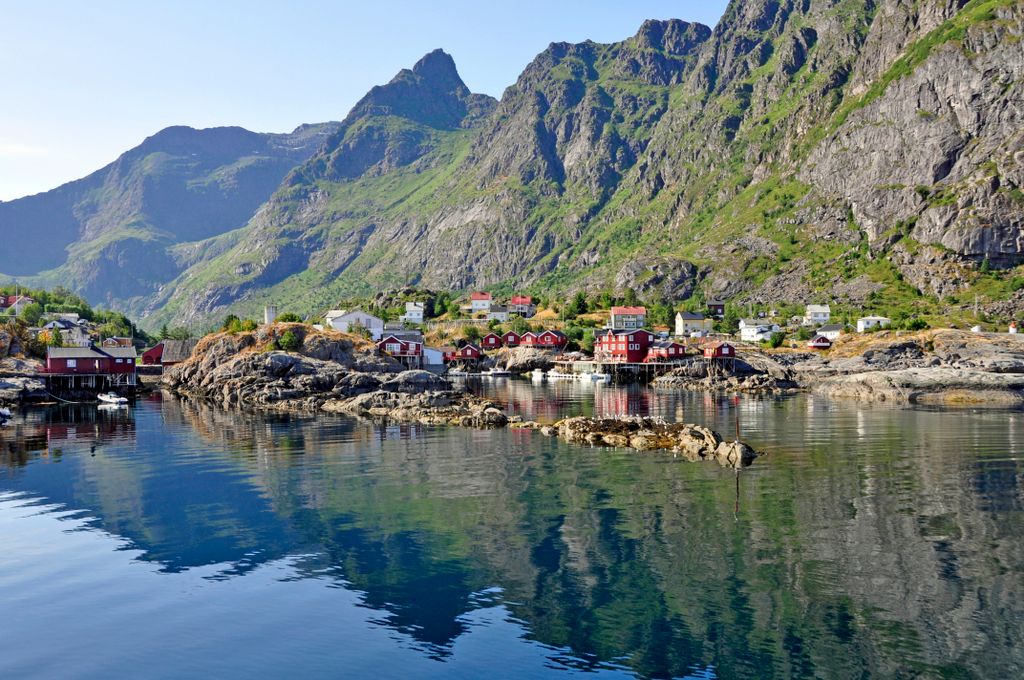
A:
[511,339]
[522,305]
[627,318]
[406,350]
[480,302]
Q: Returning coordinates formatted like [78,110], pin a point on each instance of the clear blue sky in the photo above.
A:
[84,81]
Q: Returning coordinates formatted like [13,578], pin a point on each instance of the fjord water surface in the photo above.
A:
[180,540]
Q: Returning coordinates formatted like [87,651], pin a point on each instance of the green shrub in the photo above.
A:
[776,340]
[288,317]
[289,342]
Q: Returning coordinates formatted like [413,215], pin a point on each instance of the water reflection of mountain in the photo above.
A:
[870,543]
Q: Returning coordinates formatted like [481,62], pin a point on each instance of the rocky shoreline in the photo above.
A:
[336,373]
[946,367]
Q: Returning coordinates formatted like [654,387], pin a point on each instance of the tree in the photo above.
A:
[249,325]
[55,339]
[916,325]
[629,298]
[471,333]
[776,340]
[32,313]
[290,342]
[232,324]
[288,317]
[804,333]
[165,333]
[519,325]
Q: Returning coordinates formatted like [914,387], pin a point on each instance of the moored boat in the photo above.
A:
[112,398]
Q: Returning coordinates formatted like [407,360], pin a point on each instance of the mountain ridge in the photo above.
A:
[862,151]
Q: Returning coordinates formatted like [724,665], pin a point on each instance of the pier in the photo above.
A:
[620,371]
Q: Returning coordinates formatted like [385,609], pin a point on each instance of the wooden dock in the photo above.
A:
[621,372]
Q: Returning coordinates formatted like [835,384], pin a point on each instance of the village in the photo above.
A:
[478,335]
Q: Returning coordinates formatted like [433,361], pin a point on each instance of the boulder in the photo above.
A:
[415,382]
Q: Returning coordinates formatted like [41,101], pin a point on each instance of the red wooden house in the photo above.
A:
[666,350]
[491,341]
[468,352]
[90,360]
[552,339]
[719,350]
[510,339]
[528,339]
[626,346]
[398,347]
[153,355]
[819,342]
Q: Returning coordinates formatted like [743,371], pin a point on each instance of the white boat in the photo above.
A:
[112,398]
[497,373]
[555,374]
[595,377]
[457,374]
[5,415]
[537,375]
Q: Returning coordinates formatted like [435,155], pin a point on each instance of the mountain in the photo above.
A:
[861,151]
[112,235]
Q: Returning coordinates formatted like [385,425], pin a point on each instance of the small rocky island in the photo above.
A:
[340,373]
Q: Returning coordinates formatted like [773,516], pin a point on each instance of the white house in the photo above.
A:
[413,312]
[480,302]
[692,322]
[756,331]
[864,323]
[817,315]
[344,321]
[497,313]
[832,331]
[522,305]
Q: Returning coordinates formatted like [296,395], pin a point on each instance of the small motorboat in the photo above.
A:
[113,399]
[5,415]
[457,374]
[497,373]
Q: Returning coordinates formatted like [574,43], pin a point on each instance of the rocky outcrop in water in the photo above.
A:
[693,442]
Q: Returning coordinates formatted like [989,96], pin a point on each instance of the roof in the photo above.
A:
[521,300]
[415,305]
[468,345]
[818,308]
[338,313]
[480,296]
[91,353]
[490,334]
[820,340]
[176,351]
[624,331]
[665,344]
[507,333]
[874,318]
[716,302]
[400,338]
[691,316]
[831,327]
[498,309]
[629,310]
[554,332]
[716,344]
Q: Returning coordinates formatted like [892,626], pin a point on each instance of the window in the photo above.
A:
[72,363]
[393,347]
[119,361]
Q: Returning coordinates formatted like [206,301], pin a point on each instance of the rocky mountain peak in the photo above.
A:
[674,37]
[437,69]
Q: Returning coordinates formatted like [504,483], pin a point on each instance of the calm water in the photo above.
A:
[178,540]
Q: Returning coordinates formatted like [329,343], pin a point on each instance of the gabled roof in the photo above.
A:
[480,296]
[91,352]
[831,327]
[338,313]
[559,334]
[811,309]
[469,345]
[498,309]
[874,318]
[176,351]
[690,316]
[521,300]
[415,305]
[665,344]
[629,310]
[716,302]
